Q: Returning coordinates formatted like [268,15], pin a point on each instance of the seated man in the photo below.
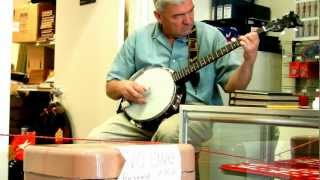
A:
[165,43]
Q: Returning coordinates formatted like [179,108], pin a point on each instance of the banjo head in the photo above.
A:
[160,93]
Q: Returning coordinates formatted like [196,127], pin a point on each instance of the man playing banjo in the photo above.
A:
[171,44]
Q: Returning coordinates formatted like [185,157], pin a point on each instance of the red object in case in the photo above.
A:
[294,69]
[20,142]
[309,69]
[293,169]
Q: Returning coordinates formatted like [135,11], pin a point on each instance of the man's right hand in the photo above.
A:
[129,90]
[132,91]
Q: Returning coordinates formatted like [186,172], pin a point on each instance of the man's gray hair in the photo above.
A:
[160,4]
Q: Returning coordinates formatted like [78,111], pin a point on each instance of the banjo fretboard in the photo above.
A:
[183,73]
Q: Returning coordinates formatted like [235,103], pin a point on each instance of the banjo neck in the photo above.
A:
[185,72]
[182,74]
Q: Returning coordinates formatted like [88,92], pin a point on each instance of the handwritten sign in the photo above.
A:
[151,162]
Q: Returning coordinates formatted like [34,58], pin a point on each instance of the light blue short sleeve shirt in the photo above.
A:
[149,46]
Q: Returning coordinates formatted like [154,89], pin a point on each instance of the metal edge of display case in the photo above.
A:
[246,115]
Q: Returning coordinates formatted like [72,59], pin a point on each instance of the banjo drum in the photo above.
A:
[161,94]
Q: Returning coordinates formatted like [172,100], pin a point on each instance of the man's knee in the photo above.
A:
[168,131]
[109,128]
[99,132]
[198,132]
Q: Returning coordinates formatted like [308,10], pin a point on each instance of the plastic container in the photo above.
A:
[303,98]
[316,101]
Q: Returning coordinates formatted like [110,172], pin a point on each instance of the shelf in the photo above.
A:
[310,38]
[49,90]
[309,18]
[50,44]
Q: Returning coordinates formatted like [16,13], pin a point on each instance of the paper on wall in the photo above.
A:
[151,162]
[16,26]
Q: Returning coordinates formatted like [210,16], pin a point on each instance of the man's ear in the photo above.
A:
[157,15]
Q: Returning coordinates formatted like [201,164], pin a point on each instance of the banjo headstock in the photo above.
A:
[290,20]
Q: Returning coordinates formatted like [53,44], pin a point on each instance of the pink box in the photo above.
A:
[89,161]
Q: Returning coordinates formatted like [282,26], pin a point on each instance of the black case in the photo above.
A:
[242,9]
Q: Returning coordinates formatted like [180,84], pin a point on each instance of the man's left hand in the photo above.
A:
[250,43]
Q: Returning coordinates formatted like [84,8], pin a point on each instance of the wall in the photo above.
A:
[14,54]
[278,9]
[140,14]
[5,44]
[87,38]
[202,10]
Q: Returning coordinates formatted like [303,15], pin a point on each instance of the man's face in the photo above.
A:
[176,20]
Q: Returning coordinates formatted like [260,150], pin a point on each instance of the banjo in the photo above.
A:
[166,87]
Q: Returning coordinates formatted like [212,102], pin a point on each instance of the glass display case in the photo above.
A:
[256,143]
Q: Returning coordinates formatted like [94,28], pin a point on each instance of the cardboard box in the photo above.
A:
[310,148]
[40,61]
[101,160]
[40,58]
[38,76]
[26,21]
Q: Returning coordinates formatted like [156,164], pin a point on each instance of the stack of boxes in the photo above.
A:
[27,21]
[35,23]
[47,25]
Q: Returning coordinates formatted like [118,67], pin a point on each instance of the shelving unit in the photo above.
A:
[295,51]
[309,12]
[34,54]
